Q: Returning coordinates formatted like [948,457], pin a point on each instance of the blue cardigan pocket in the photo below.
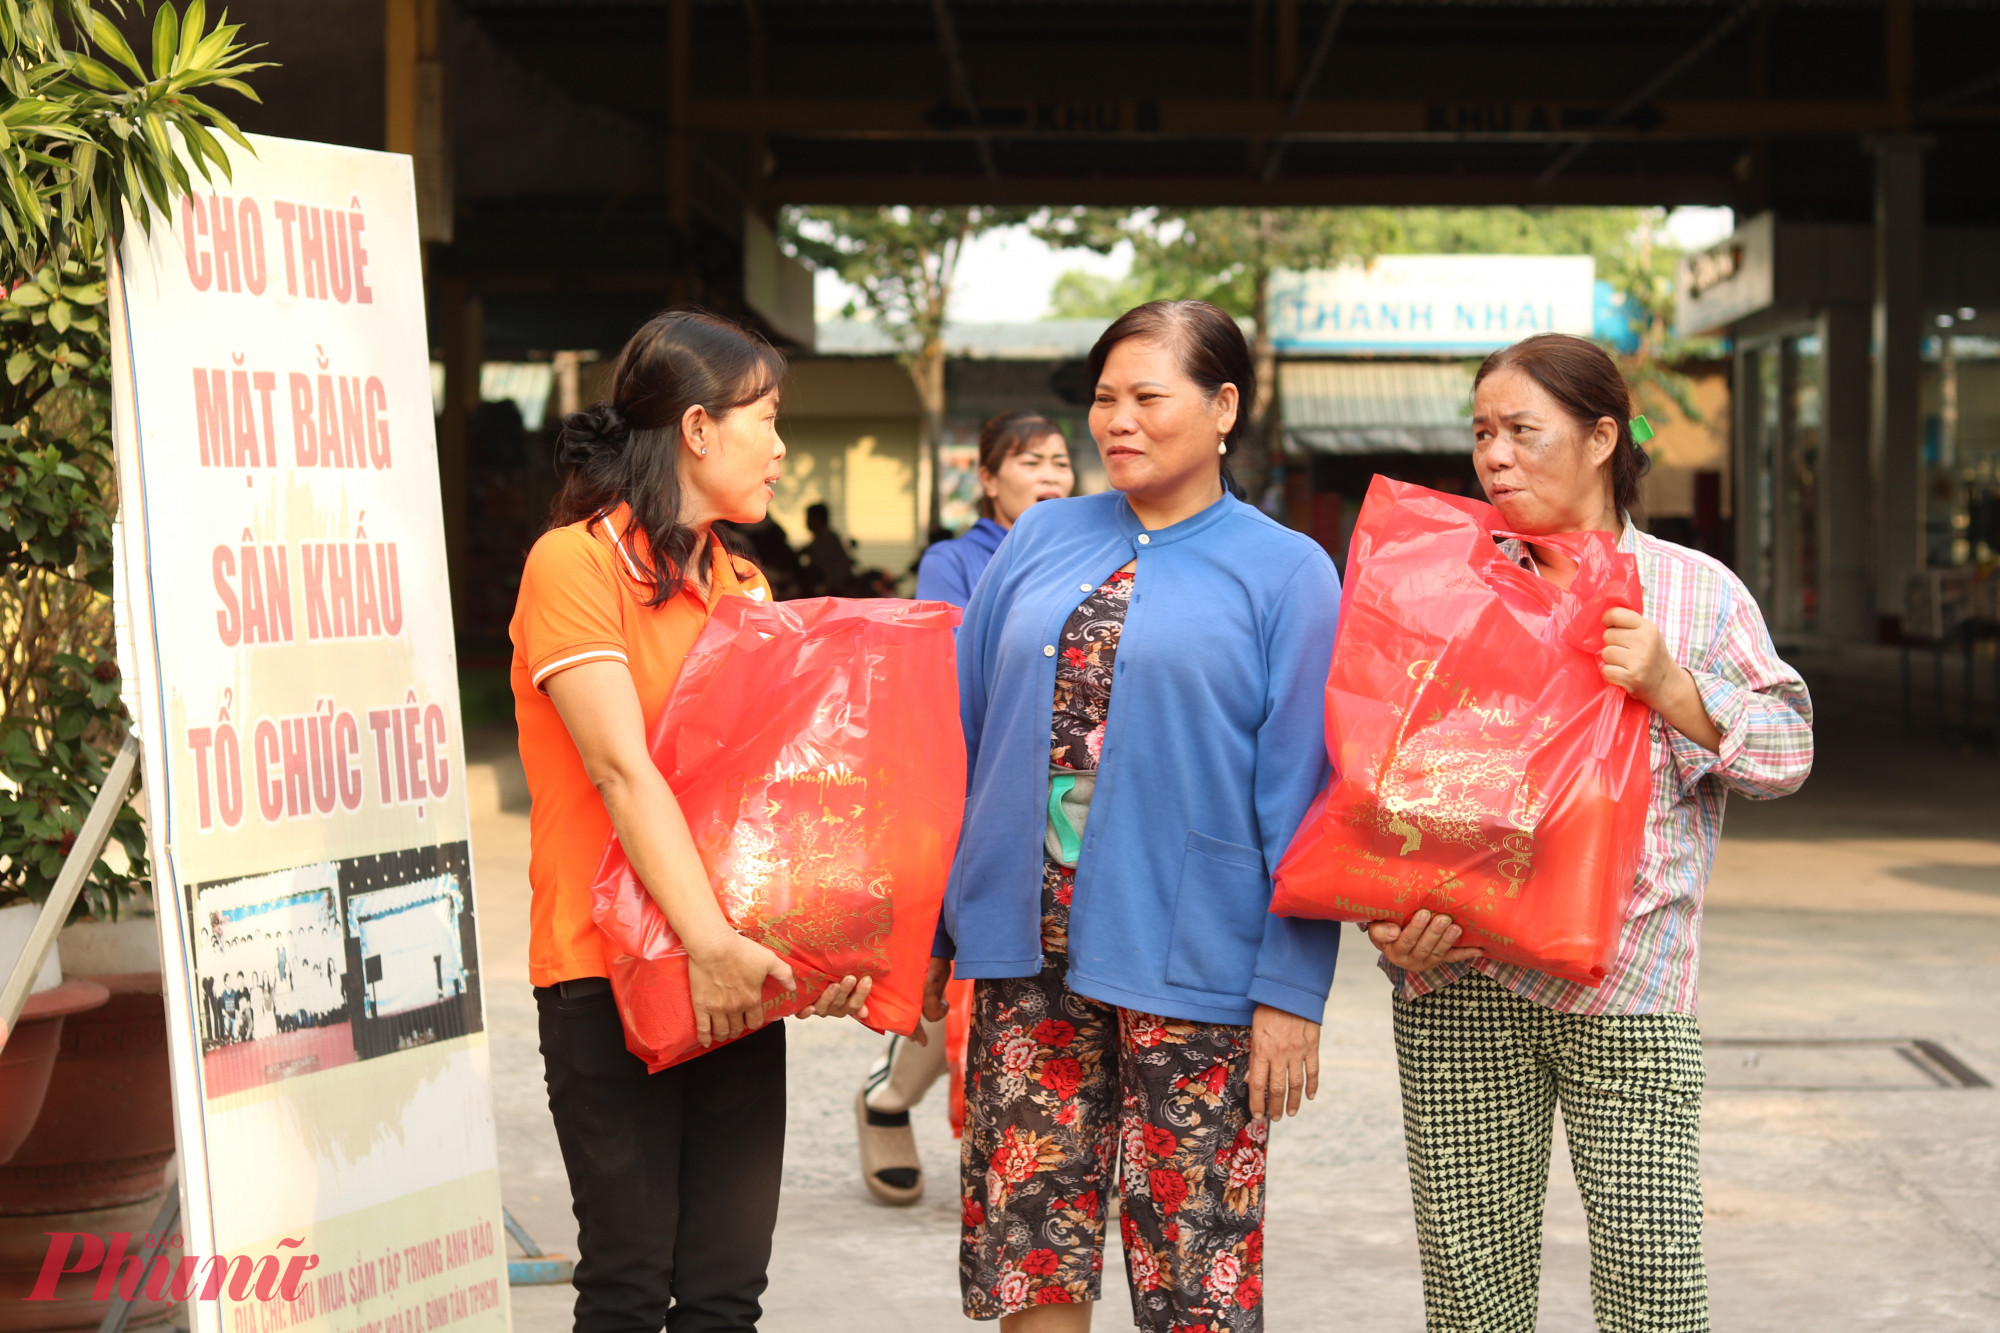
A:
[1219,910]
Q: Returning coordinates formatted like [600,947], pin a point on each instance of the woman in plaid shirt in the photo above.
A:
[1487,1050]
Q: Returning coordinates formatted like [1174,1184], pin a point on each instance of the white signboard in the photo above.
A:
[1432,303]
[287,644]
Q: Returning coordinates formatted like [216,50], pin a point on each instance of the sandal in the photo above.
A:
[890,1166]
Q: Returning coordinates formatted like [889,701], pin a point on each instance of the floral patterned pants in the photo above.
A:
[1060,1092]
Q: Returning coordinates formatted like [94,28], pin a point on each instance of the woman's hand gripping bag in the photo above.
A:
[1483,767]
[816,752]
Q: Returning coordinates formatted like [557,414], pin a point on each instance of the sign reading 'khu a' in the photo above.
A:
[1432,303]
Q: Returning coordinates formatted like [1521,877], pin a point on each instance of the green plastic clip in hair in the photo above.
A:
[1642,430]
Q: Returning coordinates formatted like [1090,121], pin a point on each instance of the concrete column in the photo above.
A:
[1285,48]
[1784,612]
[1895,434]
[1747,480]
[1846,542]
[463,316]
[413,118]
[680,147]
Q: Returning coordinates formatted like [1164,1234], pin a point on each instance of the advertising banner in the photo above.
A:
[286,638]
[1432,304]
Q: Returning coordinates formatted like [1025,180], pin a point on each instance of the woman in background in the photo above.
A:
[1023,458]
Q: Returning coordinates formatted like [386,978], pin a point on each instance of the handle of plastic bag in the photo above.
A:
[1579,608]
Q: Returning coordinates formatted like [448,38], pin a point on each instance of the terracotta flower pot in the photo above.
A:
[27,1061]
[106,1131]
[23,1247]
[95,1161]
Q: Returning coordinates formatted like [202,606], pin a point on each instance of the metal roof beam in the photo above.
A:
[1439,120]
[1414,189]
[1275,159]
[961,83]
[1657,84]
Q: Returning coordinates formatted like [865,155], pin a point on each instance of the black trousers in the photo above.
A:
[673,1176]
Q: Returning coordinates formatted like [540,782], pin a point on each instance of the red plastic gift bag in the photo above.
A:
[816,751]
[957,1042]
[1483,766]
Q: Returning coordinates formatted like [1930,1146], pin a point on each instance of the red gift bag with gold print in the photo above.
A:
[957,1045]
[1483,767]
[816,752]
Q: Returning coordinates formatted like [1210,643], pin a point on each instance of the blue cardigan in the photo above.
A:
[1213,749]
[950,570]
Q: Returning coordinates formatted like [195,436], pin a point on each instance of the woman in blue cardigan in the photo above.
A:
[1138,1007]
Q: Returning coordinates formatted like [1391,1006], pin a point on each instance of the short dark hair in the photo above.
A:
[1584,380]
[1211,350]
[1006,435]
[627,450]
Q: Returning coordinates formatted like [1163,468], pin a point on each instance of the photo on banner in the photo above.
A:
[286,638]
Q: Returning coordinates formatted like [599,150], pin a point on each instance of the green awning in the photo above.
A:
[1376,407]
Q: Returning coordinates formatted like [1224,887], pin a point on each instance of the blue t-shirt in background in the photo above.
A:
[950,570]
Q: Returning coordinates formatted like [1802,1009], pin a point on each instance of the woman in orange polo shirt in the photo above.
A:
[612,598]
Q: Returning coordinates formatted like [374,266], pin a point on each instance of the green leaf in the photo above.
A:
[107,37]
[28,294]
[98,74]
[156,135]
[197,19]
[166,39]
[59,316]
[19,364]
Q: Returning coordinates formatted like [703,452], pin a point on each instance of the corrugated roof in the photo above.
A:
[1377,407]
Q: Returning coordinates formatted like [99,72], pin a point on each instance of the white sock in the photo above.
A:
[905,1071]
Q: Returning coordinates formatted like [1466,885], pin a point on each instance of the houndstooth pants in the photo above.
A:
[1483,1071]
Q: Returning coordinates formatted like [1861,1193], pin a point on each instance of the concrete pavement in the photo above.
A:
[1848,1187]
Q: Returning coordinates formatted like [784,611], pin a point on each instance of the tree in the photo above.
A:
[84,142]
[1222,255]
[904,262]
[86,148]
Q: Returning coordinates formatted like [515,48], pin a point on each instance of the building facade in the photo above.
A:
[1866,375]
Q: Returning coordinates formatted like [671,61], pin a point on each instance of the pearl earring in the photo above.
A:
[704,451]
[1222,445]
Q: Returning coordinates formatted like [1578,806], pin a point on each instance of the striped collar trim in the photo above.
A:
[618,541]
[724,578]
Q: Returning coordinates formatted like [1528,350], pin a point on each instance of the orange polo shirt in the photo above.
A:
[582,600]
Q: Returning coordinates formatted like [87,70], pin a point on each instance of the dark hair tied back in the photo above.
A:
[1584,380]
[627,450]
[598,430]
[1210,347]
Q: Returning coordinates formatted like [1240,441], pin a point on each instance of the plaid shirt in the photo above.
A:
[1712,626]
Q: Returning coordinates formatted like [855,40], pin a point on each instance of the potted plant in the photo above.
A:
[98,134]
